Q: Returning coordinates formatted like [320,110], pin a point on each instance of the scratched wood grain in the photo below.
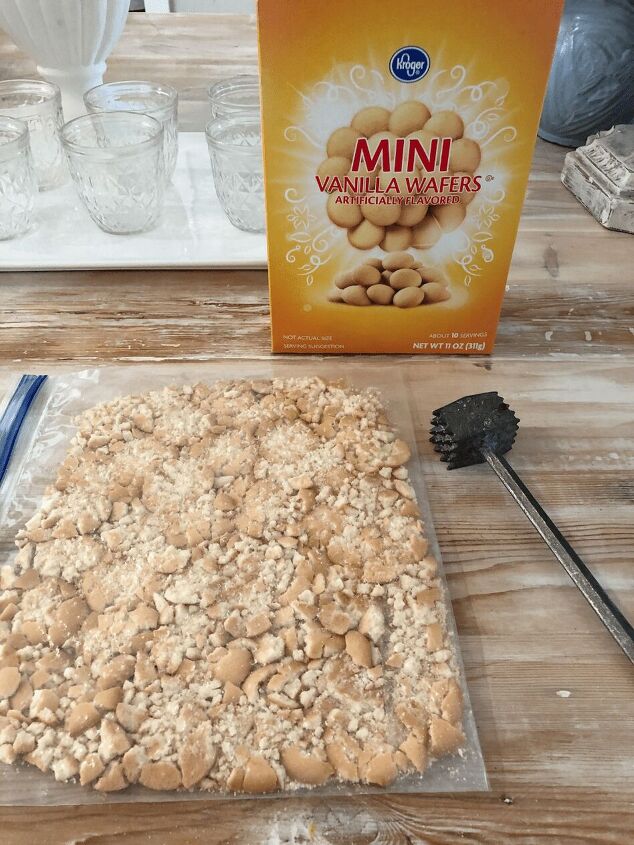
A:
[560,765]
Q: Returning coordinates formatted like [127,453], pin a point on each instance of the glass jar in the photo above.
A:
[39,105]
[157,100]
[18,186]
[234,96]
[117,163]
[235,150]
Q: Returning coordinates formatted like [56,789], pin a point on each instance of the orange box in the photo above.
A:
[397,143]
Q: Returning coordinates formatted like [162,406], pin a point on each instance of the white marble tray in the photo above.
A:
[193,232]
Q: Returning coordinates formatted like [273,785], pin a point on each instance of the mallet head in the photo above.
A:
[464,430]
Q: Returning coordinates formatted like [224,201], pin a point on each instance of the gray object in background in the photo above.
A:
[232,7]
[601,176]
[591,84]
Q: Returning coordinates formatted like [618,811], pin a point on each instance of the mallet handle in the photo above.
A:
[604,607]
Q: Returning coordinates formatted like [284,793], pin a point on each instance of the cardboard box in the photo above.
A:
[398,139]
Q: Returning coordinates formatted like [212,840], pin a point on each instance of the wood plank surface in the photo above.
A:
[552,693]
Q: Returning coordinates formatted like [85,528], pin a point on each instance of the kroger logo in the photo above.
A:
[409,64]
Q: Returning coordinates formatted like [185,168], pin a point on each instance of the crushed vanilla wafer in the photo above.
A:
[228,589]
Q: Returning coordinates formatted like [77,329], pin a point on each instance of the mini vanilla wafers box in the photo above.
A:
[397,144]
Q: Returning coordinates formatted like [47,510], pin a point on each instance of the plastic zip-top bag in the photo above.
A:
[13,422]
[223,579]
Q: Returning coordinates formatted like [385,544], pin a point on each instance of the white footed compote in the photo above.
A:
[69,39]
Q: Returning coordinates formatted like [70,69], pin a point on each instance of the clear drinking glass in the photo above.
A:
[159,101]
[235,150]
[116,161]
[17,179]
[39,105]
[234,96]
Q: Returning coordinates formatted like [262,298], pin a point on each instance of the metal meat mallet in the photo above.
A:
[482,428]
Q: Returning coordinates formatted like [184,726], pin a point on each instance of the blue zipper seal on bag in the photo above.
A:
[14,416]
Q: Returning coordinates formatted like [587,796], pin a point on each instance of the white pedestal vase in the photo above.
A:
[69,39]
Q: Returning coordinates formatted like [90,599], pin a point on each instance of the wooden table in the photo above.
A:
[551,691]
